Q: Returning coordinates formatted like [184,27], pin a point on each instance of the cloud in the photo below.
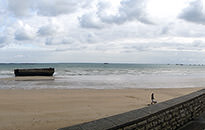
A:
[59,41]
[19,7]
[106,27]
[57,7]
[129,10]
[194,12]
[45,7]
[2,41]
[71,48]
[165,29]
[6,35]
[24,32]
[90,21]
[47,30]
[19,56]
[52,41]
[23,35]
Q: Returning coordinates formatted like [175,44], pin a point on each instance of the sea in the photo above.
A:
[107,76]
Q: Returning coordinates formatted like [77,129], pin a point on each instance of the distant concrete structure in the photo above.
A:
[34,72]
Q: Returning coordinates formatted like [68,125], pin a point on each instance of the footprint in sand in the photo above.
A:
[130,96]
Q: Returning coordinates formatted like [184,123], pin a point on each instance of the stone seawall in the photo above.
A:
[168,115]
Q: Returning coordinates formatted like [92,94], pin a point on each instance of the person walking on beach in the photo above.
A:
[152,99]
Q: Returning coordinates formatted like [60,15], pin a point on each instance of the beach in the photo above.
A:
[49,109]
[67,62]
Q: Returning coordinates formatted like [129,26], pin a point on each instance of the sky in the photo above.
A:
[114,31]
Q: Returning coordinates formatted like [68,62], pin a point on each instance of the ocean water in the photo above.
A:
[108,76]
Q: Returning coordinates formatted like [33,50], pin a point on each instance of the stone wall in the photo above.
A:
[168,115]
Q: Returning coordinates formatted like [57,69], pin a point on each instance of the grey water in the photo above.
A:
[108,76]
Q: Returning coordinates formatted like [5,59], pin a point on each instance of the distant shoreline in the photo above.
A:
[106,76]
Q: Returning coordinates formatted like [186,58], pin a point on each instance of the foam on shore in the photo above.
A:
[29,78]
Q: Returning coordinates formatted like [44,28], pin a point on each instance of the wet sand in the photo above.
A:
[49,109]
[29,78]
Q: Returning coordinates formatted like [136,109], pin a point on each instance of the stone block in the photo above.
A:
[76,127]
[131,127]
[101,124]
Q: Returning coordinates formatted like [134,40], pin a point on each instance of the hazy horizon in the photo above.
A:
[75,63]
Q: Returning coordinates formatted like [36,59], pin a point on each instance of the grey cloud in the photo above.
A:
[51,41]
[5,39]
[133,47]
[166,29]
[149,46]
[57,7]
[71,48]
[47,30]
[2,41]
[129,10]
[194,12]
[1,45]
[68,41]
[88,37]
[136,48]
[198,44]
[19,7]
[22,35]
[45,7]
[90,21]
[91,38]
[59,41]
[6,35]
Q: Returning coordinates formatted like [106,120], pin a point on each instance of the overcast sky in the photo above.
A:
[126,31]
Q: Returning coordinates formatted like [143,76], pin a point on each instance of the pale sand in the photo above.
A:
[49,109]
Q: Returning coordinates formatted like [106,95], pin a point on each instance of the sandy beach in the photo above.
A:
[49,109]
